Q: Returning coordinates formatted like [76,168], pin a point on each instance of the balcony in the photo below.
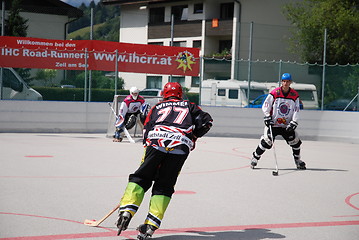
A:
[225,28]
[181,29]
[190,29]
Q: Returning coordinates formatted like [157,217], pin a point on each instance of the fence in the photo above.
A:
[337,85]
[340,81]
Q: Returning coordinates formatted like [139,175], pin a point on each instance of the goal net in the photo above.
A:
[136,131]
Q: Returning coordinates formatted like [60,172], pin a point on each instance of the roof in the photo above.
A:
[128,2]
[55,7]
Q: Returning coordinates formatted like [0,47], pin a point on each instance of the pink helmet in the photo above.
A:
[172,89]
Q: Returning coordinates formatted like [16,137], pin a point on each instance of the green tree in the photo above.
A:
[99,80]
[109,31]
[102,14]
[339,17]
[15,25]
[46,75]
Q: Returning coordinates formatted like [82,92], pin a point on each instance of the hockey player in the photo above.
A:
[281,110]
[132,106]
[170,132]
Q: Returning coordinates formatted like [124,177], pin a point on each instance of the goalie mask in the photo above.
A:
[134,92]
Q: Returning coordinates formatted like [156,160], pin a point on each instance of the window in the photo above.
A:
[154,82]
[222,92]
[156,43]
[157,15]
[180,13]
[148,92]
[225,45]
[180,80]
[197,44]
[259,100]
[10,81]
[198,8]
[195,82]
[254,93]
[233,94]
[305,95]
[179,44]
[227,10]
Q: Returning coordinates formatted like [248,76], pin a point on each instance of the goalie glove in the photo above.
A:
[292,126]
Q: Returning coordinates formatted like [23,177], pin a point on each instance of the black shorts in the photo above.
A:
[287,135]
[161,168]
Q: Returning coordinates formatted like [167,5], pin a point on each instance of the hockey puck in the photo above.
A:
[275,173]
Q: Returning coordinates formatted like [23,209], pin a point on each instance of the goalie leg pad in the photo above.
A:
[131,121]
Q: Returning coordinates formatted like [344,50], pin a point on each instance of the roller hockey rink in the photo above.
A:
[51,183]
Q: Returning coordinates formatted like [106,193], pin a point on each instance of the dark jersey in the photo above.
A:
[170,125]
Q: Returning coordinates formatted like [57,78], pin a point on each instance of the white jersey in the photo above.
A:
[130,105]
[283,109]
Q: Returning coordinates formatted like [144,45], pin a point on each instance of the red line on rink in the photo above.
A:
[347,201]
[63,236]
[128,234]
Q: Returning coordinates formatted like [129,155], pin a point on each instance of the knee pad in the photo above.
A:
[266,143]
[295,143]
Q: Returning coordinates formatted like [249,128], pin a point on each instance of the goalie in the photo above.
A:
[133,106]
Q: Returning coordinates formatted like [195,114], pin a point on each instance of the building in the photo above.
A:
[217,27]
[47,18]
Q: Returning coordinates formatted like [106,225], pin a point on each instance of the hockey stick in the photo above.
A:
[94,223]
[124,128]
[274,173]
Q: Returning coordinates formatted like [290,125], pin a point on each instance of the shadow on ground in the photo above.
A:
[248,234]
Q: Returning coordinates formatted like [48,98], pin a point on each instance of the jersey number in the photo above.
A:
[182,113]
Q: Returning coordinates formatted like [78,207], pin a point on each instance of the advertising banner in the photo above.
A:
[22,52]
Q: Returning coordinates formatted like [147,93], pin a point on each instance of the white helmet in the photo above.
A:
[134,92]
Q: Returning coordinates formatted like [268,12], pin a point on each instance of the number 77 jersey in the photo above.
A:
[169,125]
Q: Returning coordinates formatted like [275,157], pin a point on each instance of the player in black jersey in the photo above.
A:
[170,132]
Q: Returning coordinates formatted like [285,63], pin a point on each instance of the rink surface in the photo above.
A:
[51,183]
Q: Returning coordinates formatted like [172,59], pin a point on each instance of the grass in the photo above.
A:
[83,32]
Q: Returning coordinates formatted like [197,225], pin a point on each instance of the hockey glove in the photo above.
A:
[203,123]
[268,121]
[292,126]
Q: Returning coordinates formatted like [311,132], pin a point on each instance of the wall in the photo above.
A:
[82,117]
[53,117]
[47,26]
[313,125]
